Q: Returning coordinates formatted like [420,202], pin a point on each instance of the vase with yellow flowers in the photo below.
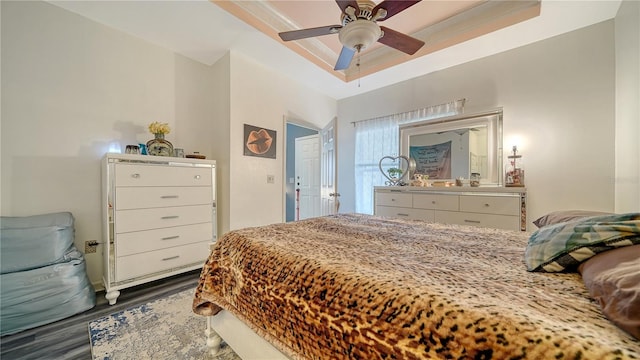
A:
[159,146]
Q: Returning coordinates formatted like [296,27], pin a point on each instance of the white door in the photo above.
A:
[329,194]
[307,177]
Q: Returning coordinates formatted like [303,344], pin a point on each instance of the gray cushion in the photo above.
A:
[34,241]
[40,296]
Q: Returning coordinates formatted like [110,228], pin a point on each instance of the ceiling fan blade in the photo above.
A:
[344,60]
[307,33]
[393,7]
[343,4]
[400,41]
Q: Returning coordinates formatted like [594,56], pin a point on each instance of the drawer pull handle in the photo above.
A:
[135,176]
[393,199]
[472,221]
[486,205]
[169,197]
[171,258]
[433,201]
[197,177]
[403,214]
[169,217]
[171,237]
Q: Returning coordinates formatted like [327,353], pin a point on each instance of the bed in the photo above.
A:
[354,286]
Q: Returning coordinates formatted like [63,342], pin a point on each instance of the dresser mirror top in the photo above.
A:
[456,147]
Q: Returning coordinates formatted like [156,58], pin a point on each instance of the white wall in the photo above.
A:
[627,30]
[262,97]
[221,100]
[73,89]
[558,99]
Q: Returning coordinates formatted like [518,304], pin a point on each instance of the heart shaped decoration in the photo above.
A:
[395,180]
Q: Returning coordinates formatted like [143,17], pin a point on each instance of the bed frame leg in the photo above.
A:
[213,339]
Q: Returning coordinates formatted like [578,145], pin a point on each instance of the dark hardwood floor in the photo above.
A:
[69,338]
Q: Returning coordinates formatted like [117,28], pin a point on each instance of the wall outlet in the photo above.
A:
[271,179]
[90,246]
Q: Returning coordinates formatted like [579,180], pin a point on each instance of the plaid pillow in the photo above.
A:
[562,247]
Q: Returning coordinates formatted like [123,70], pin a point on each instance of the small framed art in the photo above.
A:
[259,142]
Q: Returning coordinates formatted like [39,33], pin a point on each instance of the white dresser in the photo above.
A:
[159,218]
[494,207]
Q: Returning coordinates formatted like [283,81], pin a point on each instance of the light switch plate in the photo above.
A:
[271,179]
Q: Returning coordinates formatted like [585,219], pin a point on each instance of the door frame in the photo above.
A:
[297,122]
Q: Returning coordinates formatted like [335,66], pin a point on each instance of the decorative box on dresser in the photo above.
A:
[159,218]
[493,207]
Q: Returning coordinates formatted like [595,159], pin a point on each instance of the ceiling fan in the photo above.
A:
[359,29]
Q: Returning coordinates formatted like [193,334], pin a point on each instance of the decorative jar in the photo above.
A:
[159,146]
[474,180]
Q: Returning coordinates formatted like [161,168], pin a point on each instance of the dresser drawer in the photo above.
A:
[501,205]
[405,213]
[149,197]
[394,199]
[155,175]
[146,219]
[436,201]
[142,241]
[132,266]
[477,219]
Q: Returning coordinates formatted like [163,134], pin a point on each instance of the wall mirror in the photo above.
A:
[457,146]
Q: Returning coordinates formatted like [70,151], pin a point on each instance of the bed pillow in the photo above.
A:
[563,246]
[557,217]
[613,280]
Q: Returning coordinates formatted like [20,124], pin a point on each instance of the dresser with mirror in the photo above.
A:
[449,149]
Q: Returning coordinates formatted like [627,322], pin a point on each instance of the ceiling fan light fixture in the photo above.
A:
[359,34]
[359,29]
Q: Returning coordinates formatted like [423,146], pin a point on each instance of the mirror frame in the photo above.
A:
[491,119]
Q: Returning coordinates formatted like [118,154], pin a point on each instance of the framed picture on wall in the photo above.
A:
[259,142]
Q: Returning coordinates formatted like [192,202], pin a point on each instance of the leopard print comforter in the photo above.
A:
[361,287]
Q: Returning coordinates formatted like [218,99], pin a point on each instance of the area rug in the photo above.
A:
[162,329]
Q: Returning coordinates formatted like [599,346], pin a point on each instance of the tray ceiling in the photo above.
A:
[440,24]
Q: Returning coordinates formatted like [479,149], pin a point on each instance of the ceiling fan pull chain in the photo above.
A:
[358,65]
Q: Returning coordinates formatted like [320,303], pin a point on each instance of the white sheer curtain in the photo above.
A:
[376,138]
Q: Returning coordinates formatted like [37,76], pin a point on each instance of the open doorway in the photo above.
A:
[293,131]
